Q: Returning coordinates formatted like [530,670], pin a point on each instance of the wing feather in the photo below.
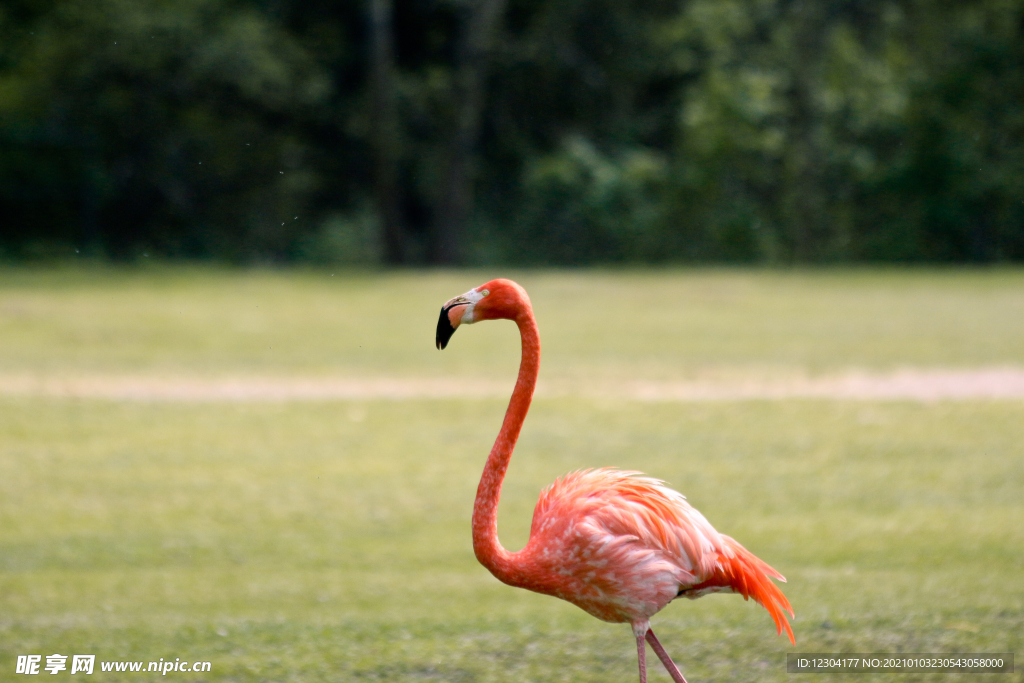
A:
[638,509]
[625,545]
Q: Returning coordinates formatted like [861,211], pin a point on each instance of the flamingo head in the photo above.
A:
[490,301]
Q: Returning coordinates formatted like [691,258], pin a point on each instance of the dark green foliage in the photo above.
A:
[702,130]
[188,128]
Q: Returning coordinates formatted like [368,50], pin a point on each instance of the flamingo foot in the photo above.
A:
[670,666]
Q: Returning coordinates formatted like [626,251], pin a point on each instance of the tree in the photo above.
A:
[481,21]
[385,133]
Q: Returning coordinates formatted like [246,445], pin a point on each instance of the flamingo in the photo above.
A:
[615,543]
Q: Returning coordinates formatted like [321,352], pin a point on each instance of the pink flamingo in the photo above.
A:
[618,545]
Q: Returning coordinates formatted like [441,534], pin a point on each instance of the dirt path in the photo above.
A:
[909,384]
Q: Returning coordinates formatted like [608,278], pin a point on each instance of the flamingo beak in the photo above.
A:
[448,322]
[458,311]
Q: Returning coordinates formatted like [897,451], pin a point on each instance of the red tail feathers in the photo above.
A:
[751,577]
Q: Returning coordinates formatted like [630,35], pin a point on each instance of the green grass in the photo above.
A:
[605,324]
[329,541]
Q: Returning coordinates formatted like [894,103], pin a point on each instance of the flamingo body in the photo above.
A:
[622,546]
[618,545]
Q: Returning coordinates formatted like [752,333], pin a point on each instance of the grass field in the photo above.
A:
[329,540]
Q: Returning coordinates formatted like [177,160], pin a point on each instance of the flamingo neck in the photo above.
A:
[488,549]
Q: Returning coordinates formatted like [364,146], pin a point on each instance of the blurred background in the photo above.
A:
[273,468]
[525,132]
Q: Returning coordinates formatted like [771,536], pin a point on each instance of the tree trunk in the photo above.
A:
[802,196]
[387,191]
[456,196]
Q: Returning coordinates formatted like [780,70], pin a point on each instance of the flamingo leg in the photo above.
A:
[670,666]
[641,655]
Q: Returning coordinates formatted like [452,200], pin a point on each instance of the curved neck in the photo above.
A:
[485,511]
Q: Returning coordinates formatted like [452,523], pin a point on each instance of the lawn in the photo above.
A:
[329,540]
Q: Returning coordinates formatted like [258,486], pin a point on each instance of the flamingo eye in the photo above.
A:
[484,292]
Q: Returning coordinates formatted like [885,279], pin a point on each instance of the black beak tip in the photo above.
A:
[444,329]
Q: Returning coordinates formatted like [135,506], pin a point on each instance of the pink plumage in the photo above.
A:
[618,545]
[622,546]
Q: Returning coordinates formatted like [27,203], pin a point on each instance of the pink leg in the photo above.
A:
[641,655]
[670,666]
